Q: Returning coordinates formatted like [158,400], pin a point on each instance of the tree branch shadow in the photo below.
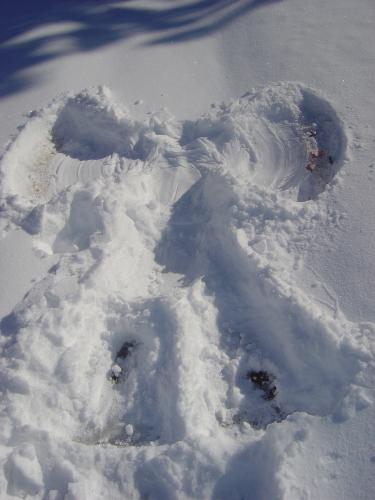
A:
[95,24]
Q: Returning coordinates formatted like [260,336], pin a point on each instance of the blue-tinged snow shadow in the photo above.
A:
[94,24]
[251,474]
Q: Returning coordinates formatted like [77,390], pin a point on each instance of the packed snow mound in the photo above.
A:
[171,332]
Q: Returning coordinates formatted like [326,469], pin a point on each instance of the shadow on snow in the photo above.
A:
[98,24]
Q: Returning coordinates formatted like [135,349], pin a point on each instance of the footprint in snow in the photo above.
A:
[143,378]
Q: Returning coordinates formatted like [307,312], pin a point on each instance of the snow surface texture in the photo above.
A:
[125,372]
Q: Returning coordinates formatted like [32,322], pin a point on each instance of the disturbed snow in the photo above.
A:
[125,371]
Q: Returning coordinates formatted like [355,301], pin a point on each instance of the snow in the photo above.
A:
[182,312]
